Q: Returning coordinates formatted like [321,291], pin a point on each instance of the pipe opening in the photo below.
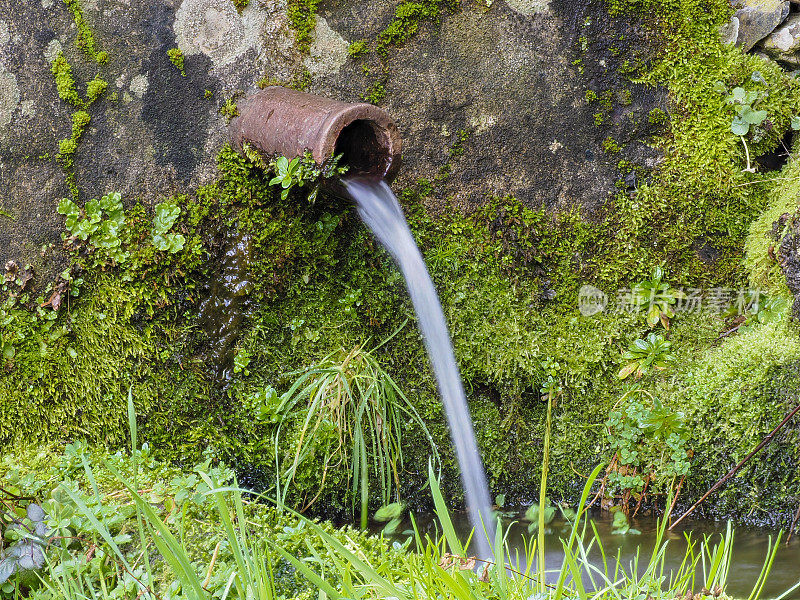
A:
[365,148]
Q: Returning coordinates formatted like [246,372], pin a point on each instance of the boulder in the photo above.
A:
[757,19]
[783,44]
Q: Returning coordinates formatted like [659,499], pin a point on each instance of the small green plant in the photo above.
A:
[391,514]
[166,213]
[298,172]
[287,175]
[649,444]
[240,5]
[532,515]
[229,110]
[620,524]
[176,57]
[263,405]
[645,355]
[743,102]
[27,535]
[359,403]
[759,309]
[241,361]
[358,49]
[657,297]
[747,119]
[99,224]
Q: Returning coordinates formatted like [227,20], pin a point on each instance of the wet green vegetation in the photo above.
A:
[666,399]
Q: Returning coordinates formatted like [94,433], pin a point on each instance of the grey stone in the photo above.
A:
[757,19]
[783,44]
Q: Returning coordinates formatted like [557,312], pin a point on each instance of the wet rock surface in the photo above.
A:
[533,85]
[790,257]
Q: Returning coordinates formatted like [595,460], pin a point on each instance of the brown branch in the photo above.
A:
[675,497]
[735,469]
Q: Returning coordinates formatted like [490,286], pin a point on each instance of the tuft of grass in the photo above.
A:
[367,410]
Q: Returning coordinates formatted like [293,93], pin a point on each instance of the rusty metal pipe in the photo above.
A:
[285,122]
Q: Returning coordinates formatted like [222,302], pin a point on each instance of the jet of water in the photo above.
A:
[379,209]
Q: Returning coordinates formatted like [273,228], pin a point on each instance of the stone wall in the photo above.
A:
[513,77]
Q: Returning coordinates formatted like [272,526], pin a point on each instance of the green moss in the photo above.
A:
[358,49]
[407,19]
[65,82]
[762,242]
[375,93]
[303,20]
[610,146]
[240,4]
[733,395]
[176,58]
[229,110]
[94,89]
[85,40]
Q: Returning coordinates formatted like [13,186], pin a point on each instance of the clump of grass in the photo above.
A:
[368,412]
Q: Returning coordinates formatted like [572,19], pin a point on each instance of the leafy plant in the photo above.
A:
[747,119]
[166,213]
[648,442]
[657,298]
[765,310]
[644,355]
[29,536]
[99,223]
[391,515]
[743,103]
[286,174]
[298,172]
[532,515]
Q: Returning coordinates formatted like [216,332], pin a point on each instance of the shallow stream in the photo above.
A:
[749,549]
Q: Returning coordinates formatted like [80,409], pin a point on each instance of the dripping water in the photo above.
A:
[379,209]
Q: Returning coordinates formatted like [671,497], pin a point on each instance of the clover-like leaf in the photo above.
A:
[35,513]
[739,126]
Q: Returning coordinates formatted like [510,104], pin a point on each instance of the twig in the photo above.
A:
[641,496]
[675,497]
[211,565]
[749,169]
[734,470]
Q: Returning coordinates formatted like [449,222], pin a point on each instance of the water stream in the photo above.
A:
[750,546]
[379,209]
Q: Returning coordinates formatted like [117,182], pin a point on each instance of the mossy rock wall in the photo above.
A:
[513,77]
[548,145]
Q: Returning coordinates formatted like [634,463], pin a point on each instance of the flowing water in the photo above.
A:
[379,209]
[750,546]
